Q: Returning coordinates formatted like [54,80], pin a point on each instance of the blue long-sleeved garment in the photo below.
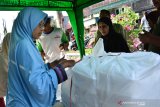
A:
[30,82]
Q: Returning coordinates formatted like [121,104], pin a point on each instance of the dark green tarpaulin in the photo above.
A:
[74,9]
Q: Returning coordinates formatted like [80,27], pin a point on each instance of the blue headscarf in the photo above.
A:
[30,82]
[25,23]
[23,26]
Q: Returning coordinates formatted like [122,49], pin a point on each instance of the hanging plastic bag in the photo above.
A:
[98,50]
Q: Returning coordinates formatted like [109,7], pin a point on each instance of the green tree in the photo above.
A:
[128,19]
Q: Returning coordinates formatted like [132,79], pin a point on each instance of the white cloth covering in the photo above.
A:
[114,80]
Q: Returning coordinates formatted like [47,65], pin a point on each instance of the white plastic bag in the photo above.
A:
[98,49]
[127,79]
[66,88]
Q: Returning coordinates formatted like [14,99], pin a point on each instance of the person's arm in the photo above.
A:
[39,79]
[64,38]
[41,82]
[59,69]
[64,42]
[150,38]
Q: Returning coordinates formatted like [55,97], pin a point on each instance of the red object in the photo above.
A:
[2,104]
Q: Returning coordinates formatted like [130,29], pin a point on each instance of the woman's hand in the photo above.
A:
[64,46]
[56,62]
[64,62]
[68,63]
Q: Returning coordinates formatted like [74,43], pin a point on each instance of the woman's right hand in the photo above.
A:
[56,62]
[68,63]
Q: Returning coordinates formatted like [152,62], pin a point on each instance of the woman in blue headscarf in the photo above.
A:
[31,82]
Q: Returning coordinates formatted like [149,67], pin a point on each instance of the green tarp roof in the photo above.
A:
[46,4]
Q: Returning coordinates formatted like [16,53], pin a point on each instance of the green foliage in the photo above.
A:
[128,17]
[88,51]
[128,20]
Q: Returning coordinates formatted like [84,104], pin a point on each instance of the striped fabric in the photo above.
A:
[60,72]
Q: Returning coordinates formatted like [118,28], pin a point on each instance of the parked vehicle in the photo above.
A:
[87,43]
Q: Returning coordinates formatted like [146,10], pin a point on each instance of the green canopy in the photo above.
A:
[74,9]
